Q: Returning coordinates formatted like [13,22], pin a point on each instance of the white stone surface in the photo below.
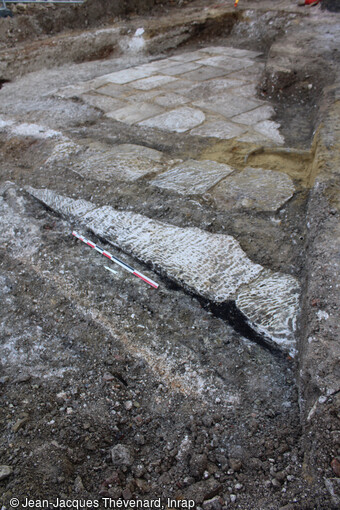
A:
[112,90]
[211,91]
[212,88]
[74,90]
[106,104]
[204,73]
[65,206]
[192,177]
[270,303]
[128,75]
[249,74]
[34,131]
[123,162]
[232,52]
[248,90]
[227,63]
[110,166]
[131,114]
[270,129]
[138,151]
[142,97]
[254,188]
[211,265]
[188,57]
[63,151]
[170,100]
[152,82]
[180,68]
[229,105]
[219,129]
[251,137]
[180,120]
[254,116]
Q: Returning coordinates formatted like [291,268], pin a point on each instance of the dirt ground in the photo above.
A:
[112,390]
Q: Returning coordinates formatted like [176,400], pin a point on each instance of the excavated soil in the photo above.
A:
[112,390]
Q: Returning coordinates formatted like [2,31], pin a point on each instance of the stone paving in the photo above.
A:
[249,189]
[193,177]
[254,188]
[210,92]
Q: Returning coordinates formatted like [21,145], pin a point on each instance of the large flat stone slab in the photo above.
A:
[180,120]
[112,90]
[254,188]
[152,82]
[229,64]
[128,75]
[204,73]
[232,52]
[270,130]
[211,88]
[219,129]
[252,117]
[138,151]
[170,99]
[180,68]
[211,265]
[108,167]
[106,104]
[192,177]
[124,162]
[131,114]
[228,105]
[65,206]
[270,303]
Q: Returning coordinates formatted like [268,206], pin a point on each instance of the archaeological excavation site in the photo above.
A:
[170,253]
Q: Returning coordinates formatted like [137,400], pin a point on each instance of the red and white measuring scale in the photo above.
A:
[117,261]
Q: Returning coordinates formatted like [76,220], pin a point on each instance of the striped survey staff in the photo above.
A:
[115,260]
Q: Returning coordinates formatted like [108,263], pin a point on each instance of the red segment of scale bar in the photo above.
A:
[116,260]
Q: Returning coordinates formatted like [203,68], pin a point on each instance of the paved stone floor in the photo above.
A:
[210,92]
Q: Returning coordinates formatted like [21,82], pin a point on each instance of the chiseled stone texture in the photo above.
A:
[106,104]
[152,82]
[270,129]
[179,120]
[254,188]
[124,162]
[192,177]
[229,105]
[211,265]
[270,303]
[127,75]
[212,89]
[252,117]
[219,129]
[135,113]
[226,63]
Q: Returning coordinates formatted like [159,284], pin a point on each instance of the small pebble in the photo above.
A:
[5,472]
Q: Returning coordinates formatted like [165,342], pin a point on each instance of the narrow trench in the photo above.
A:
[227,311]
[230,314]
[3,81]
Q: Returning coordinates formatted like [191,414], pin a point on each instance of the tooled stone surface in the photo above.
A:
[192,176]
[211,265]
[254,188]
